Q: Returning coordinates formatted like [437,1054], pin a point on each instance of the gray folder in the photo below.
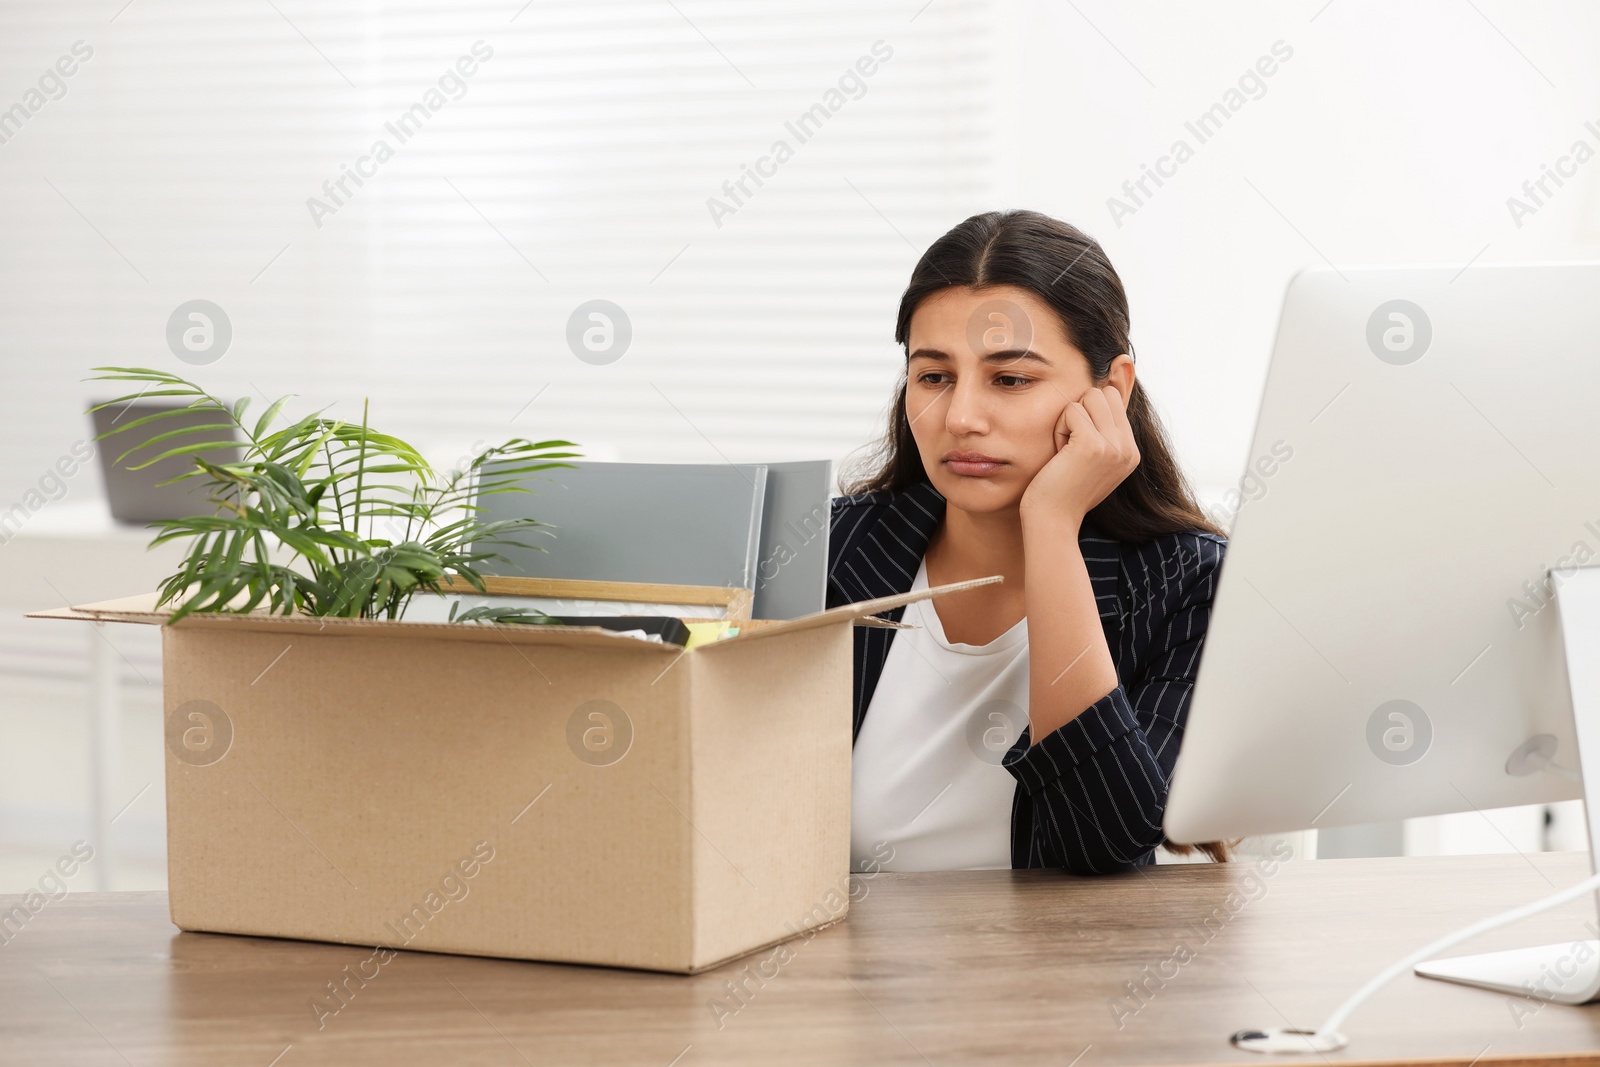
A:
[752,526]
[792,574]
[677,523]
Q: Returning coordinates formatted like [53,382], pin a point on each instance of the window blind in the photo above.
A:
[535,158]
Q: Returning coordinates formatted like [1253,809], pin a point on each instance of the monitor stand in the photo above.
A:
[1567,973]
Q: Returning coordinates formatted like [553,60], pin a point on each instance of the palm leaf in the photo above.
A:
[298,526]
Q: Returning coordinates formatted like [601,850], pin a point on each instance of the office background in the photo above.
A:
[596,151]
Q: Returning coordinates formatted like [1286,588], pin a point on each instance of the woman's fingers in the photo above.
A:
[1061,429]
[1124,431]
[1111,421]
[1079,424]
[1129,446]
[1114,397]
[1119,410]
[1099,406]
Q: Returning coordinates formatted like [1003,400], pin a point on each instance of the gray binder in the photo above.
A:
[752,526]
[675,523]
[792,573]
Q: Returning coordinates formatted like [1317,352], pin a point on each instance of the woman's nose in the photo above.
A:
[966,413]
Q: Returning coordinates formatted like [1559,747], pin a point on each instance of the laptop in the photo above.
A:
[137,497]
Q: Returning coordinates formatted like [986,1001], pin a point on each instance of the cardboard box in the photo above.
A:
[536,792]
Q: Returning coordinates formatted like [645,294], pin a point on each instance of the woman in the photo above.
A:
[1033,722]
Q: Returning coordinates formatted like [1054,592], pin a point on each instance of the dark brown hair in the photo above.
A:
[1068,270]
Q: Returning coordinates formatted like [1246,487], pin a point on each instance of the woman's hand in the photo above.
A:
[1095,451]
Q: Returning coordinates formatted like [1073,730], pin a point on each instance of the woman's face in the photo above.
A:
[988,373]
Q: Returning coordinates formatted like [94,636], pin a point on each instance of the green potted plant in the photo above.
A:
[321,516]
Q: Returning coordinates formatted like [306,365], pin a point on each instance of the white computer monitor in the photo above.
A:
[1385,640]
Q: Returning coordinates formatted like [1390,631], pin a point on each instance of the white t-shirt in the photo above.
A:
[926,777]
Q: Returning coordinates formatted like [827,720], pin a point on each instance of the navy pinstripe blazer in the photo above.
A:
[1090,796]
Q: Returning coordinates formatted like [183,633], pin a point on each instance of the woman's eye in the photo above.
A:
[930,378]
[1011,380]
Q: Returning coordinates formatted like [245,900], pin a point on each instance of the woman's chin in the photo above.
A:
[994,492]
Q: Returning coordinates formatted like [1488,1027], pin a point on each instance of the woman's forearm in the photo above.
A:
[1069,664]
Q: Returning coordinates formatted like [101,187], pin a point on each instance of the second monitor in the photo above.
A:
[1408,612]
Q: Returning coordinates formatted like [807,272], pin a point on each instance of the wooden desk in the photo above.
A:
[970,967]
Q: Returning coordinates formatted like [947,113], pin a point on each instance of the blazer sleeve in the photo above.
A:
[1094,791]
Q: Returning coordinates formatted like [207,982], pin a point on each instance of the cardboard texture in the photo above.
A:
[536,792]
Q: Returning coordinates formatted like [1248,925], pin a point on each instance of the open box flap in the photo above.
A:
[142,609]
[859,612]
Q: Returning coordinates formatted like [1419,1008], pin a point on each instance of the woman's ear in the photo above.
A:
[1121,376]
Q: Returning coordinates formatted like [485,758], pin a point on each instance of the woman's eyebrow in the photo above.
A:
[1014,355]
[1010,355]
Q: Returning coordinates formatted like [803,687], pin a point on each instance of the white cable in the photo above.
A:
[1331,1027]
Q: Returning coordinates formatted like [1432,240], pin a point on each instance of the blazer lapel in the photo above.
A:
[880,556]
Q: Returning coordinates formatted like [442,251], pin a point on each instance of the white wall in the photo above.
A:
[577,162]
[1394,134]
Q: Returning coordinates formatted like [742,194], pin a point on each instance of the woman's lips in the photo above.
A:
[972,464]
